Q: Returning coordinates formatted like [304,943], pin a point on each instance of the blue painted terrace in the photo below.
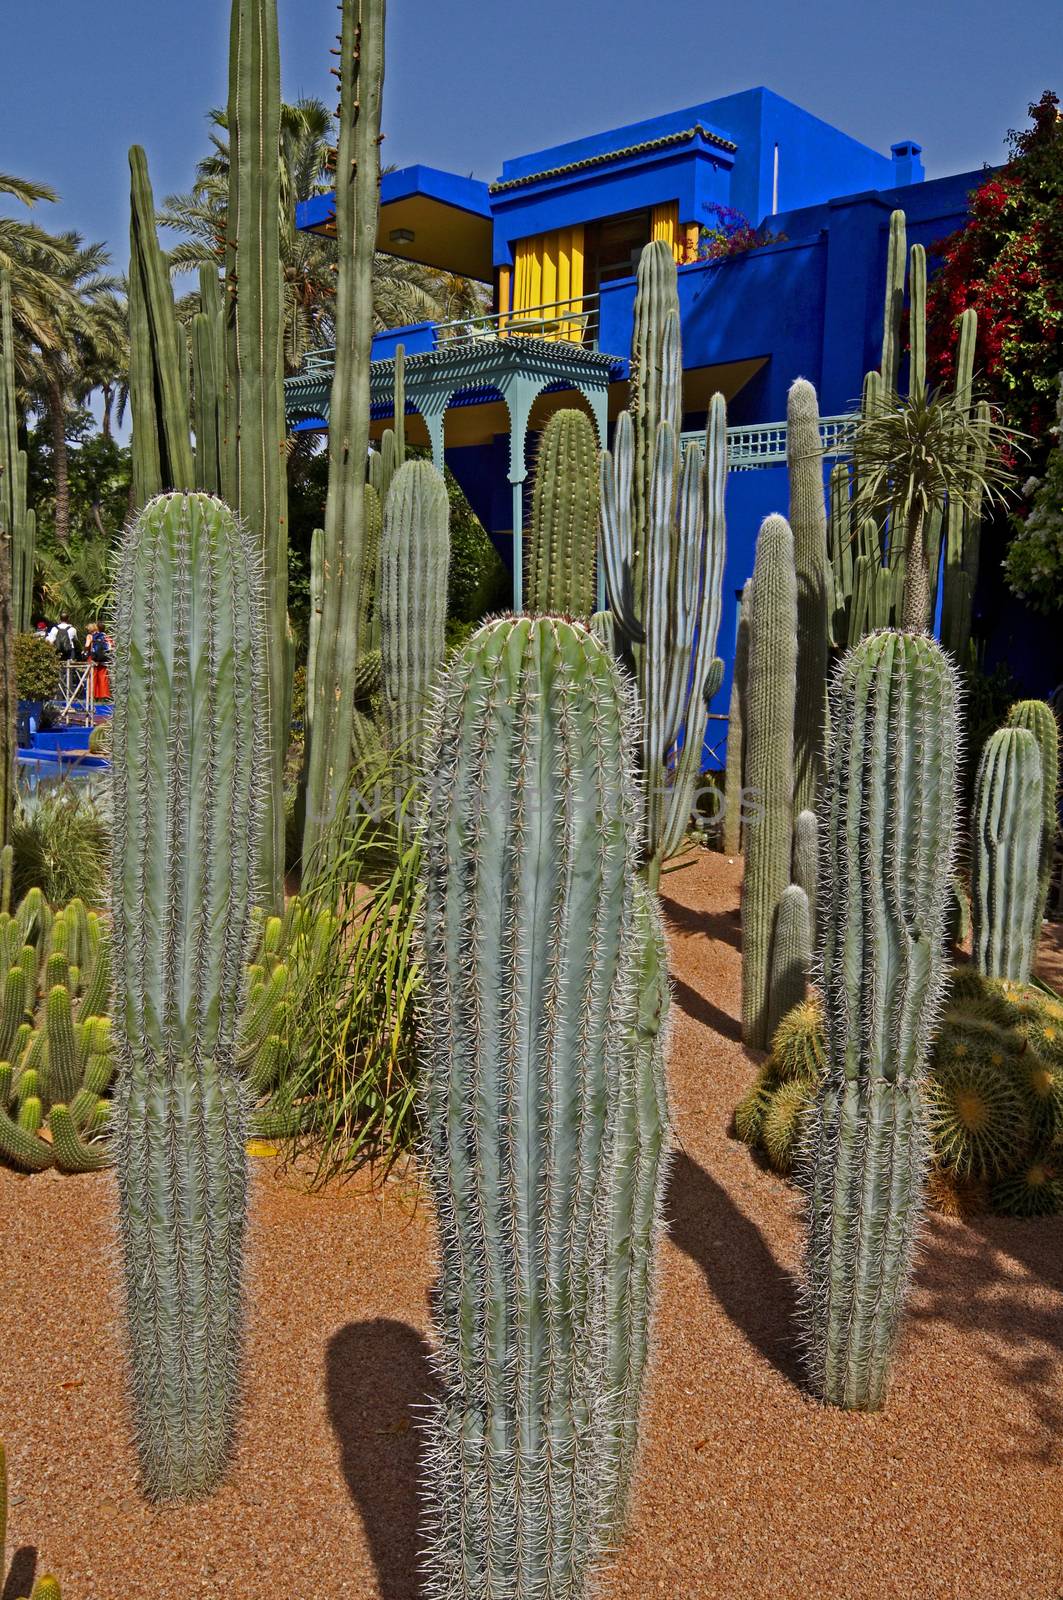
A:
[556,240]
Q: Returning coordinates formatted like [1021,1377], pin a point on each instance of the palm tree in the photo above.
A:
[78,342]
[913,454]
[404,290]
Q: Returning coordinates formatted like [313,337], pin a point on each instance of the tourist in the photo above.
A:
[62,636]
[98,648]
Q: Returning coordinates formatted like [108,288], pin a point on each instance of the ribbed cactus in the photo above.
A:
[537,1060]
[188,778]
[385,462]
[734,776]
[893,308]
[8,697]
[18,524]
[769,765]
[414,561]
[361,72]
[805,864]
[791,955]
[1007,827]
[158,355]
[663,553]
[564,520]
[1040,719]
[808,523]
[208,383]
[889,817]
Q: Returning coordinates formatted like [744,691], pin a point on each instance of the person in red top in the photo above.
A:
[98,649]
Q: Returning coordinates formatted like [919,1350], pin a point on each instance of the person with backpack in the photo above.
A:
[62,636]
[98,648]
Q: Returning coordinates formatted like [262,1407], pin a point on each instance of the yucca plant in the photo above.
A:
[910,455]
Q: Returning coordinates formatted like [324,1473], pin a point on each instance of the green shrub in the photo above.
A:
[37,672]
[61,845]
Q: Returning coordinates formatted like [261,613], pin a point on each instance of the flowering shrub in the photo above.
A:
[1007,262]
[732,234]
[1034,563]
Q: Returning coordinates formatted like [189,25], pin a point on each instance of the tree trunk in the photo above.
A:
[108,406]
[916,616]
[60,461]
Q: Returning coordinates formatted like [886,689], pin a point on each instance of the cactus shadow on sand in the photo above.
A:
[378,1380]
[740,1269]
[702,1010]
[21,1573]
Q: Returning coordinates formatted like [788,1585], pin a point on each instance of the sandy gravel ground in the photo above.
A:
[747,1487]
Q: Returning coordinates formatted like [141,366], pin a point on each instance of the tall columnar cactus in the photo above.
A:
[357,202]
[385,462]
[791,955]
[17,523]
[805,868]
[734,776]
[564,521]
[808,523]
[1039,717]
[538,1070]
[208,384]
[663,554]
[255,474]
[769,765]
[8,696]
[188,732]
[158,355]
[889,818]
[414,561]
[1006,855]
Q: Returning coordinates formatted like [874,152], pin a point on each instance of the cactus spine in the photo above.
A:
[535,954]
[357,200]
[564,520]
[188,731]
[1040,719]
[808,523]
[1005,869]
[663,541]
[889,815]
[769,765]
[414,561]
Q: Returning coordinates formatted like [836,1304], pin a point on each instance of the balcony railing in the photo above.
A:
[572,321]
[764,443]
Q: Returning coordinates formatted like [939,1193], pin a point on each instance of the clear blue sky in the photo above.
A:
[80,80]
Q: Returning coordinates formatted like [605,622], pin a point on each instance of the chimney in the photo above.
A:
[907,163]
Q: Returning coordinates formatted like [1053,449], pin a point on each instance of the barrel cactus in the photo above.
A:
[1005,870]
[889,820]
[188,780]
[541,1010]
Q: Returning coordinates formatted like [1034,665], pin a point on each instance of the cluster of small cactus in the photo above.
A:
[663,544]
[45,1587]
[543,1005]
[55,1050]
[993,1091]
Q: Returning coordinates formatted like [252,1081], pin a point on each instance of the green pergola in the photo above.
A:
[473,371]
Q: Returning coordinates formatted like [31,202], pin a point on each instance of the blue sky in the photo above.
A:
[80,80]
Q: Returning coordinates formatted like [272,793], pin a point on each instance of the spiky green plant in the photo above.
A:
[784,1122]
[1035,1191]
[750,1110]
[808,523]
[890,827]
[1040,719]
[663,541]
[733,780]
[791,954]
[338,646]
[978,1119]
[535,1067]
[769,767]
[414,561]
[564,519]
[806,860]
[188,733]
[1007,826]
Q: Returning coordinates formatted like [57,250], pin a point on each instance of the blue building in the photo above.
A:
[557,237]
